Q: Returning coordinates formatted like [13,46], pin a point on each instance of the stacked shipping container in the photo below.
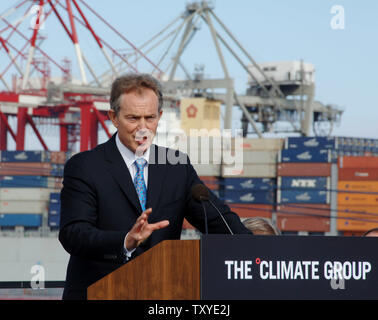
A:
[357,199]
[252,192]
[303,171]
[54,210]
[303,182]
[348,146]
[287,180]
[27,178]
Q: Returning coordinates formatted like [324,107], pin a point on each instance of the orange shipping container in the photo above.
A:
[304,169]
[306,210]
[58,157]
[363,186]
[358,174]
[291,222]
[357,218]
[358,162]
[244,210]
[355,199]
[353,233]
[25,168]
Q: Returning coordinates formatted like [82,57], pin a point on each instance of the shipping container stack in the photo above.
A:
[357,200]
[54,211]
[349,146]
[252,192]
[249,192]
[27,178]
[304,184]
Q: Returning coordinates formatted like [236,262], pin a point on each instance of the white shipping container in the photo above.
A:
[216,157]
[250,171]
[208,169]
[258,144]
[24,207]
[260,157]
[205,157]
[186,144]
[24,194]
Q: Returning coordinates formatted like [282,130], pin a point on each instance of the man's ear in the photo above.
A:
[113,117]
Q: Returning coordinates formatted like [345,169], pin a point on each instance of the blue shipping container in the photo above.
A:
[305,155]
[54,209]
[57,170]
[53,221]
[357,145]
[311,142]
[249,183]
[360,145]
[294,196]
[349,143]
[54,197]
[26,220]
[301,183]
[249,196]
[25,156]
[23,182]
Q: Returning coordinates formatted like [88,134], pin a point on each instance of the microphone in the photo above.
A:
[201,193]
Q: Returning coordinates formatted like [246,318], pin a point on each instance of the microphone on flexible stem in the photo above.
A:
[201,193]
[221,215]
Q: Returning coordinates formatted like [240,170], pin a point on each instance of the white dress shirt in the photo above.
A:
[129,157]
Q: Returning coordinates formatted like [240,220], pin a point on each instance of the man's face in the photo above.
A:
[137,119]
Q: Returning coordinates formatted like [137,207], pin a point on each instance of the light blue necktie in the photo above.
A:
[139,183]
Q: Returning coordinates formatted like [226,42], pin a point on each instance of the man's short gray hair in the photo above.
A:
[130,82]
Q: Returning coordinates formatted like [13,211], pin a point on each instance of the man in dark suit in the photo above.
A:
[123,197]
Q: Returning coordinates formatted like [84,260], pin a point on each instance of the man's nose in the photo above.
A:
[142,124]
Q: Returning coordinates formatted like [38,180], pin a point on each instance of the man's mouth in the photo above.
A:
[141,141]
[143,136]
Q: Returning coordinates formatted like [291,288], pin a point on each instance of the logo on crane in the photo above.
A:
[191,111]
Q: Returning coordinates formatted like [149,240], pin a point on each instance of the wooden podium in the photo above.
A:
[245,267]
[168,271]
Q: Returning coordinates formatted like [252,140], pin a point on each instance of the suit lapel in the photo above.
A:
[119,171]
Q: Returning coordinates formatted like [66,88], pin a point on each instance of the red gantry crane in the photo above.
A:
[30,96]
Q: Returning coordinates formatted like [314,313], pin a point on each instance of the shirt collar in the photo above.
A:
[128,156]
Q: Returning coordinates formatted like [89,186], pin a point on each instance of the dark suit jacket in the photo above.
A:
[99,205]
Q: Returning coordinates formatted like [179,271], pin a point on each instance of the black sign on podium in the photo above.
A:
[243,267]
